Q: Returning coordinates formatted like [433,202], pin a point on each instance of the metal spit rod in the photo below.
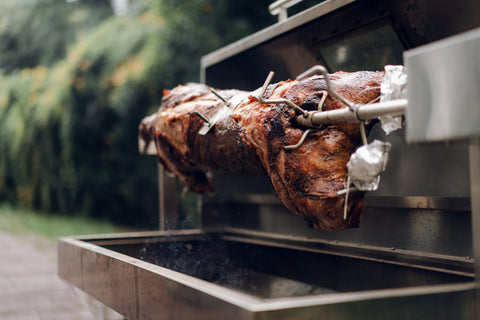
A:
[354,112]
[361,113]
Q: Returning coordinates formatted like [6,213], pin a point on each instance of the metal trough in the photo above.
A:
[247,275]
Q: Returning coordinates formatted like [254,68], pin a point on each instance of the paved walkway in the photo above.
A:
[29,285]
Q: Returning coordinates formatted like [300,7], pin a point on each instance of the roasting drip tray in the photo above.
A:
[234,274]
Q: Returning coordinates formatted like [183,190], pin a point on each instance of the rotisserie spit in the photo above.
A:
[250,137]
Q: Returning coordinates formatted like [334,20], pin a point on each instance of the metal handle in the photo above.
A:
[280,8]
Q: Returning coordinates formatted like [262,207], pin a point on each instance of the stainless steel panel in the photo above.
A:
[73,269]
[431,170]
[435,231]
[407,305]
[443,95]
[109,280]
[105,277]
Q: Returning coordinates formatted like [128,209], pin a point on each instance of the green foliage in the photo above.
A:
[38,32]
[68,130]
[195,27]
[108,99]
[69,133]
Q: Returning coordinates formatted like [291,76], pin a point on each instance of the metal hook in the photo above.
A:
[345,209]
[308,131]
[323,71]
[201,116]
[322,101]
[363,133]
[352,106]
[272,101]
[220,97]
[300,142]
[367,89]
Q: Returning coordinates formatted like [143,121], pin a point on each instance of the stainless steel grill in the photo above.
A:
[413,255]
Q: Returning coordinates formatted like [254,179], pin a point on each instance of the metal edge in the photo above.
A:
[403,202]
[136,234]
[402,257]
[412,202]
[336,298]
[444,43]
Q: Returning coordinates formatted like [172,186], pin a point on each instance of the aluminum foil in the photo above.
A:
[366,164]
[394,86]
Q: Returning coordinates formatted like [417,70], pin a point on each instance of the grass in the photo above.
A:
[23,222]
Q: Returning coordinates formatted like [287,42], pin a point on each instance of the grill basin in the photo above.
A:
[244,275]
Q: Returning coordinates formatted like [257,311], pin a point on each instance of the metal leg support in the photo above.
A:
[474,154]
[167,188]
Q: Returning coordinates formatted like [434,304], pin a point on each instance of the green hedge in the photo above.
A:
[68,134]
[68,131]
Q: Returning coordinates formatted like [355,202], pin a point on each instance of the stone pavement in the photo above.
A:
[29,285]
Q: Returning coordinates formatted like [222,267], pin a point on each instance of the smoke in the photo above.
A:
[203,257]
[228,264]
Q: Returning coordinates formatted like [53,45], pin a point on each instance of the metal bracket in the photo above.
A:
[280,8]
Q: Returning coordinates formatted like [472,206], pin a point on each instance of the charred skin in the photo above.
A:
[252,140]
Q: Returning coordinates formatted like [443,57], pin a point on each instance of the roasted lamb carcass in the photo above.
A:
[250,138]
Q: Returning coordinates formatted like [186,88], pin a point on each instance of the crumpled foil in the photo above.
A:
[366,164]
[394,86]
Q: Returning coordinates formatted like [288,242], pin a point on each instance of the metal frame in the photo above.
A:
[168,201]
[268,33]
[388,202]
[474,153]
[280,8]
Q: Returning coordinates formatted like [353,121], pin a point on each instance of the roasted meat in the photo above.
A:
[250,138]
